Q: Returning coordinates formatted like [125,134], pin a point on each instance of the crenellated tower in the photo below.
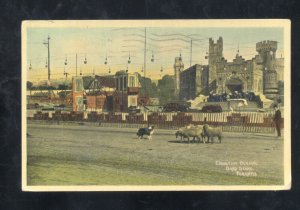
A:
[267,55]
[215,54]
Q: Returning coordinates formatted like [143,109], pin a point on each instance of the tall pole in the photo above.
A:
[191,52]
[49,58]
[48,46]
[76,64]
[145,62]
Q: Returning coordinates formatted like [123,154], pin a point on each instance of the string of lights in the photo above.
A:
[158,47]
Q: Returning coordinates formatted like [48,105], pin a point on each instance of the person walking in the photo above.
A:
[277,120]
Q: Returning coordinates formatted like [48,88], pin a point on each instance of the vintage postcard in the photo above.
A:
[156,105]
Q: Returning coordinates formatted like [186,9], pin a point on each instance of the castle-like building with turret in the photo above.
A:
[260,74]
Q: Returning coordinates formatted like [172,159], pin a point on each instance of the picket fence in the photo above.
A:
[253,122]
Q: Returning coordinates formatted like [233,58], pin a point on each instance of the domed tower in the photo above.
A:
[267,54]
[178,67]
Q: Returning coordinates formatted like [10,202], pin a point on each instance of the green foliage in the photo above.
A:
[148,87]
[64,94]
[29,85]
[166,88]
[43,87]
[63,87]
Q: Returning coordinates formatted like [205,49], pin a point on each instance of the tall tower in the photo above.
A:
[178,67]
[215,54]
[267,53]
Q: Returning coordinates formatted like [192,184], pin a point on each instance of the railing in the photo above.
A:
[228,121]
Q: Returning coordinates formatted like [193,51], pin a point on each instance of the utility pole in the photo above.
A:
[76,64]
[145,63]
[48,46]
[191,53]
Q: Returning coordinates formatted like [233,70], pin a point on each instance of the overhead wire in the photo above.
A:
[157,43]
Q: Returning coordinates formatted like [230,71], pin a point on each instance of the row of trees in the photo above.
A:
[164,89]
[31,87]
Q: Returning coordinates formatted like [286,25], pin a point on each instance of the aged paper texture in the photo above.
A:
[156,105]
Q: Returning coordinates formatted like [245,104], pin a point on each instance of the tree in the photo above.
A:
[154,90]
[166,88]
[63,87]
[148,87]
[29,86]
[44,87]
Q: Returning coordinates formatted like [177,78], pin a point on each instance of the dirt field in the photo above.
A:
[91,155]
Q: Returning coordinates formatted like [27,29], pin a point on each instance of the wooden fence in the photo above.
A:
[228,121]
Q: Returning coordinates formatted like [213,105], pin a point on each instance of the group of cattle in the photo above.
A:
[200,132]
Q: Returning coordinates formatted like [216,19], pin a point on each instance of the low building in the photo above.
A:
[127,91]
[96,94]
[111,93]
[95,102]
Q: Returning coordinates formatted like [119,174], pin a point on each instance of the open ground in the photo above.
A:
[80,154]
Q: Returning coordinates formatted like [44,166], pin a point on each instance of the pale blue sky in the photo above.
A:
[165,43]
